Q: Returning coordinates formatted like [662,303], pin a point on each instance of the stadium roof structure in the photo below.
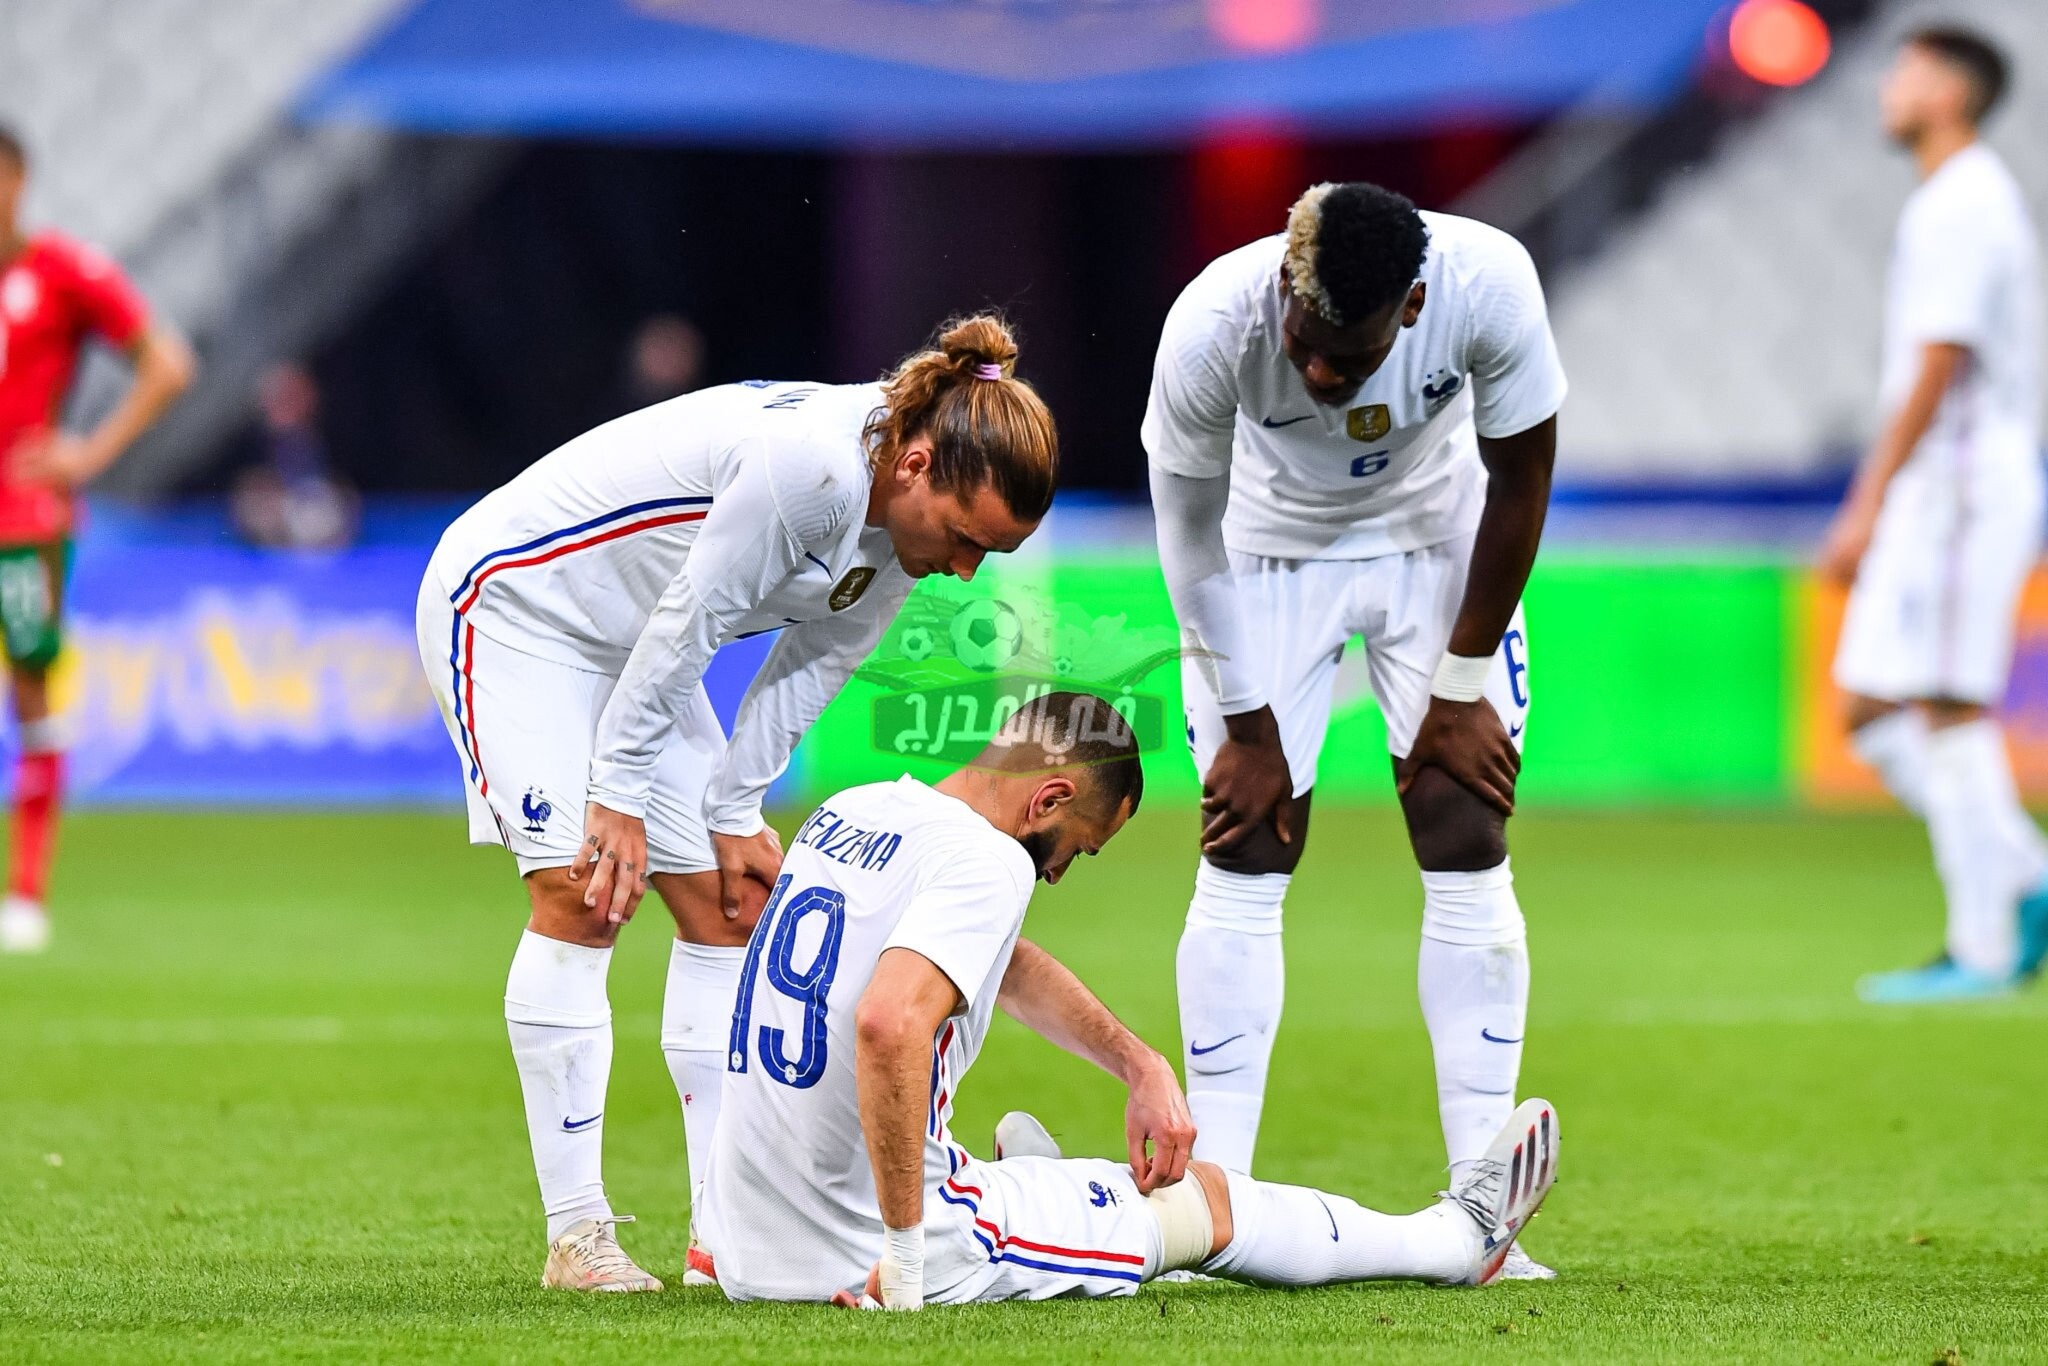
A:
[999,73]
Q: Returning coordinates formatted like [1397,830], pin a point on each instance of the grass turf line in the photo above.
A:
[258,1106]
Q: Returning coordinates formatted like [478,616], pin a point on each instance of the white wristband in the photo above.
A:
[902,1272]
[1461,678]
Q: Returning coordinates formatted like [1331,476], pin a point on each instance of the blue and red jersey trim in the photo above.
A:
[610,526]
[1001,1246]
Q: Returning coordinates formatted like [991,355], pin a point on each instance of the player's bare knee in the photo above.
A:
[694,903]
[1263,852]
[1943,712]
[1859,711]
[1450,828]
[559,912]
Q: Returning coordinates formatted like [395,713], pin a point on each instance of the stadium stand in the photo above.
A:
[160,130]
[1730,331]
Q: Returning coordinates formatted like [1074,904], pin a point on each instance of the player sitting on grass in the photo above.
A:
[887,944]
[566,622]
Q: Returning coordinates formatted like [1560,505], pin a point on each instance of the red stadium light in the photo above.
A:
[1263,25]
[1778,42]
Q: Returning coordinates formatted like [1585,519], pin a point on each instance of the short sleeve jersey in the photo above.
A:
[54,297]
[790,1210]
[1397,468]
[1965,269]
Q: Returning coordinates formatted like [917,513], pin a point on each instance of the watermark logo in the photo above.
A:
[955,668]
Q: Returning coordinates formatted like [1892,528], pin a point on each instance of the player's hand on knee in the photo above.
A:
[612,862]
[756,857]
[1248,784]
[1467,741]
[1158,1117]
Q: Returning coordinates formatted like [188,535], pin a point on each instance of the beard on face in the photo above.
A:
[1038,844]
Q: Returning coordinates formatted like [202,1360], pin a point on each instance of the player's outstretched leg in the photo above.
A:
[1291,1235]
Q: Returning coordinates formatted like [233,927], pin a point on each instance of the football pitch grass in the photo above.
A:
[257,1104]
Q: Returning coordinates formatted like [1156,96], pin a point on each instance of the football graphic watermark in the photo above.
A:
[956,667]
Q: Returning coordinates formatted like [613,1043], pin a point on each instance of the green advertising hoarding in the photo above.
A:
[1649,681]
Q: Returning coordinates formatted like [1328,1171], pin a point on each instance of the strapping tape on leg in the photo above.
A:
[1187,1231]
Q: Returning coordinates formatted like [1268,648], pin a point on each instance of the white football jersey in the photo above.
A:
[789,1206]
[639,548]
[1397,468]
[1965,269]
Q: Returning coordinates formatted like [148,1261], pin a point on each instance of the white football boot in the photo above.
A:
[1506,1187]
[24,926]
[1021,1135]
[1520,1266]
[588,1257]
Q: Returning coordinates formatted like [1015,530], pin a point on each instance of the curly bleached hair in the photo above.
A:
[1353,249]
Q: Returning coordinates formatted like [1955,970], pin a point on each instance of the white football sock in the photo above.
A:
[1985,859]
[1231,977]
[696,1026]
[561,1026]
[1473,977]
[1291,1235]
[1895,745]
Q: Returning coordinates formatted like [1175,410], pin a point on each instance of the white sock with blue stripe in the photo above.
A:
[1291,1235]
[1473,977]
[560,1021]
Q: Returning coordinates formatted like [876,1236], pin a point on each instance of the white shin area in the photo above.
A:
[560,1022]
[1232,979]
[1473,977]
[696,1027]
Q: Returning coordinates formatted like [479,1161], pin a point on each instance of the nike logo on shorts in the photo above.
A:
[1269,422]
[1495,1038]
[573,1126]
[1195,1050]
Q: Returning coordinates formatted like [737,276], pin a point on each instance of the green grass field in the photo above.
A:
[257,1103]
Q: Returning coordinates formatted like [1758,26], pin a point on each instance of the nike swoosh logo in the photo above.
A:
[578,1125]
[1495,1038]
[1269,422]
[1332,1218]
[1195,1050]
[1515,730]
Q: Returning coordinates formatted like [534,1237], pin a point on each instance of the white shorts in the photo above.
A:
[1038,1228]
[1298,616]
[524,728]
[1937,596]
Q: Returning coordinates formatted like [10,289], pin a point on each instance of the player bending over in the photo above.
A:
[887,945]
[55,295]
[1943,522]
[1351,433]
[566,622]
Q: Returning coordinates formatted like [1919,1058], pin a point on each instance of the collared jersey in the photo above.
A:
[1397,468]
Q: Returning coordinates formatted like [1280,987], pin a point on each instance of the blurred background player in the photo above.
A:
[565,624]
[1943,521]
[55,295]
[1351,433]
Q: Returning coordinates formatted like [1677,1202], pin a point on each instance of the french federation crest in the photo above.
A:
[847,591]
[1368,423]
[536,809]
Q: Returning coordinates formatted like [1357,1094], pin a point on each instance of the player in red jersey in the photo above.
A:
[55,294]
